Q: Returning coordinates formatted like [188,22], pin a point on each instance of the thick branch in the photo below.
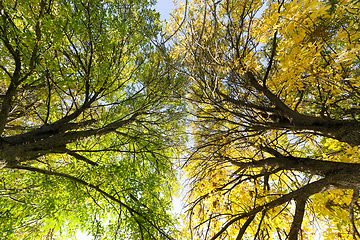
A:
[298,218]
[342,130]
[6,106]
[35,146]
[16,78]
[244,227]
[62,124]
[307,165]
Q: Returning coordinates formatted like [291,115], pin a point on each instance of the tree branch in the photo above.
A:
[259,225]
[96,188]
[298,218]
[354,200]
[274,99]
[244,227]
[81,158]
[273,50]
[308,165]
[319,186]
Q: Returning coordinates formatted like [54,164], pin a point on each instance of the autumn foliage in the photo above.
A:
[94,96]
[275,93]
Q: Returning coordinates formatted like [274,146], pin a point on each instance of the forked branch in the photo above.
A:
[308,190]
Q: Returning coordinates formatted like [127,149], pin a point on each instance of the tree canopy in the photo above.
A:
[88,121]
[92,110]
[275,93]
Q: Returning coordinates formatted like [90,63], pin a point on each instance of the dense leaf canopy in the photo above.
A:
[88,121]
[275,94]
[92,108]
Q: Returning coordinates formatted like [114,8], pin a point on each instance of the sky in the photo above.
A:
[164,7]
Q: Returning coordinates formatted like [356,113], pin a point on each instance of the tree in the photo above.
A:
[88,130]
[275,95]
